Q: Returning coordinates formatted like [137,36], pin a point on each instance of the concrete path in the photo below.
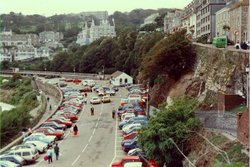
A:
[53,103]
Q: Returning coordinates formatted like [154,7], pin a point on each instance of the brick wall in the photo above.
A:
[243,127]
[227,102]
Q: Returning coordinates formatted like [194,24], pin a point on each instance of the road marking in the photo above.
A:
[116,124]
[90,137]
[85,148]
[75,160]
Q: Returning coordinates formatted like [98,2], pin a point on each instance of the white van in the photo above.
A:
[29,155]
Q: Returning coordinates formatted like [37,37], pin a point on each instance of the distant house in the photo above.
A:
[119,78]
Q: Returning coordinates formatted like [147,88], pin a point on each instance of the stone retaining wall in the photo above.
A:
[217,120]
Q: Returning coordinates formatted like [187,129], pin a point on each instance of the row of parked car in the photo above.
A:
[47,134]
[132,117]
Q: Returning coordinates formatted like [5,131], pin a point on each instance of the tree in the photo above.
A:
[172,123]
[172,56]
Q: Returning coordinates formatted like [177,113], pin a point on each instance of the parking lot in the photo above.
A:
[98,142]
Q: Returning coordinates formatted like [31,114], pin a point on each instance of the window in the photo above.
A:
[126,80]
[208,27]
[120,80]
[26,153]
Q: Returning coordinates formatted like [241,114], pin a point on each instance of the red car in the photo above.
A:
[130,136]
[69,115]
[70,105]
[60,121]
[77,81]
[86,89]
[48,132]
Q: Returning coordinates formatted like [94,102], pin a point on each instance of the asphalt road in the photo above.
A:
[97,144]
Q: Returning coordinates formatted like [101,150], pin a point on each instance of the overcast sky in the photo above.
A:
[51,7]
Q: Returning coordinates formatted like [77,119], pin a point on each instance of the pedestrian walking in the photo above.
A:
[85,94]
[50,155]
[50,107]
[56,151]
[75,130]
[24,131]
[113,113]
[92,110]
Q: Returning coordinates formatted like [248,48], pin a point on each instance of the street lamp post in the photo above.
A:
[247,95]
[103,72]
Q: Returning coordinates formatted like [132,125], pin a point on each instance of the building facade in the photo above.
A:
[50,36]
[222,19]
[238,21]
[150,19]
[205,17]
[173,21]
[94,32]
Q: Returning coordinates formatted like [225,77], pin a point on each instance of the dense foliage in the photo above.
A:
[23,97]
[172,56]
[174,123]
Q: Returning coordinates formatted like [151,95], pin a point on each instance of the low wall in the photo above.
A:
[46,89]
[218,120]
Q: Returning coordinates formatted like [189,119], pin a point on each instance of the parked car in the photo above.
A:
[41,146]
[29,155]
[86,89]
[95,100]
[106,99]
[54,125]
[126,159]
[136,152]
[8,164]
[48,132]
[60,121]
[136,128]
[110,92]
[69,115]
[130,145]
[130,136]
[130,126]
[41,137]
[24,146]
[17,159]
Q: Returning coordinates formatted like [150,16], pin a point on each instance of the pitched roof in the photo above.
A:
[116,74]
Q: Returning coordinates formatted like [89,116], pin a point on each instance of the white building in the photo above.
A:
[150,19]
[25,52]
[50,36]
[94,32]
[173,21]
[119,78]
[222,18]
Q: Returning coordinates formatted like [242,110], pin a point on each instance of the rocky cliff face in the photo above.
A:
[215,70]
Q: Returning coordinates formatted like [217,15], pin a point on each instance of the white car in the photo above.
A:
[95,100]
[41,146]
[29,155]
[133,164]
[8,164]
[50,138]
[133,151]
[127,114]
[24,146]
[130,126]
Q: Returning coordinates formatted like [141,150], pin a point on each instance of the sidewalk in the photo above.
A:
[52,102]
